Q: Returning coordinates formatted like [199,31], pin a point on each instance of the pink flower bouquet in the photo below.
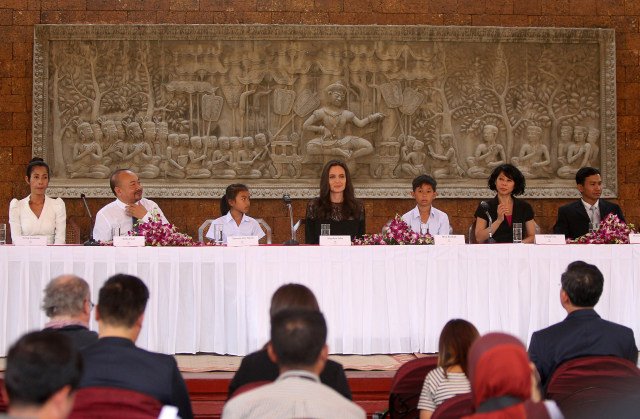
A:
[396,232]
[610,231]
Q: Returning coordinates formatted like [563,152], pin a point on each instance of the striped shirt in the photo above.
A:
[436,388]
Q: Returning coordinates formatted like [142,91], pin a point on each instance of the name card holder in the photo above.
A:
[30,241]
[128,241]
[335,240]
[634,238]
[448,239]
[239,241]
[550,239]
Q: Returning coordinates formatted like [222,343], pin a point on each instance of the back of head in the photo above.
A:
[65,296]
[122,300]
[584,173]
[424,180]
[456,339]
[297,337]
[40,364]
[293,295]
[583,284]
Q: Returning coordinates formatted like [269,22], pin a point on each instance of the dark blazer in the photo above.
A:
[573,220]
[80,336]
[118,362]
[259,367]
[581,333]
[522,212]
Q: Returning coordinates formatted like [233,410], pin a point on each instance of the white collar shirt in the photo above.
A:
[52,221]
[437,224]
[594,214]
[248,227]
[113,214]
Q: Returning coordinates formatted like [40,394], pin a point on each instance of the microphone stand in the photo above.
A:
[293,241]
[91,241]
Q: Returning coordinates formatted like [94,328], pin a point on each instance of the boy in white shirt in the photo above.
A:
[424,218]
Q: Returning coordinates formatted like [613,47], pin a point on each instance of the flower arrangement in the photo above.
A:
[610,231]
[158,234]
[397,232]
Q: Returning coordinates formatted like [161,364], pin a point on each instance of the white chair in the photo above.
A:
[202,231]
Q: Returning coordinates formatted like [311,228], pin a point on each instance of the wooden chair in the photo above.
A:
[72,235]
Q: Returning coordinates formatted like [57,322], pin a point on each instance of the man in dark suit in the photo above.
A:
[582,332]
[115,360]
[574,218]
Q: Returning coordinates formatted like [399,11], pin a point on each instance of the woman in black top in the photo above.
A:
[336,205]
[505,209]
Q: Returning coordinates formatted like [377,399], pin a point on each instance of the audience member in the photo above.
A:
[67,303]
[582,332]
[129,207]
[505,209]
[43,371]
[424,192]
[259,367]
[574,218]
[450,378]
[115,361]
[503,381]
[234,206]
[298,347]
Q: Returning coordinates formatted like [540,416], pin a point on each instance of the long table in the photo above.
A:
[376,299]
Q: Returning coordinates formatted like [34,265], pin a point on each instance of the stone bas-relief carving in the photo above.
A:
[197,107]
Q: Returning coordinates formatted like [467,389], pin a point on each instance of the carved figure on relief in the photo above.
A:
[592,138]
[449,167]
[222,160]
[262,159]
[332,122]
[138,154]
[171,166]
[113,147]
[534,160]
[197,154]
[488,155]
[87,155]
[246,158]
[578,153]
[566,132]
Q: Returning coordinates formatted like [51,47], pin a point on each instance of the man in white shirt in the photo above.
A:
[129,206]
[298,346]
[424,218]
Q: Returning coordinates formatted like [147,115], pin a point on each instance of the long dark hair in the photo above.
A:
[36,161]
[231,193]
[454,345]
[349,205]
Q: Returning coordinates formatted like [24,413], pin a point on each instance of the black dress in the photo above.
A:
[522,212]
[340,226]
[259,367]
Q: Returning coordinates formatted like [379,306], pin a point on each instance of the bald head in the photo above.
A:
[126,186]
[65,297]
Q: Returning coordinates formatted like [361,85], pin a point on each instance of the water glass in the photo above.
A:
[115,231]
[3,233]
[517,232]
[217,234]
[593,227]
[424,228]
[325,229]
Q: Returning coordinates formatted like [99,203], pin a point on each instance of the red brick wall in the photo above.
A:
[17,18]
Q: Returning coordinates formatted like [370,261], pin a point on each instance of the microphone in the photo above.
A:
[485,207]
[91,241]
[287,202]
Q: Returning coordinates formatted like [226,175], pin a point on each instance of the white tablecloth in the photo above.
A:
[377,299]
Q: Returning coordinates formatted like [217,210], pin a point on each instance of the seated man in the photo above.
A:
[127,209]
[574,218]
[424,192]
[43,371]
[115,360]
[298,347]
[582,332]
[67,303]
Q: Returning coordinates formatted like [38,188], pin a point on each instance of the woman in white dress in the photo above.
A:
[37,214]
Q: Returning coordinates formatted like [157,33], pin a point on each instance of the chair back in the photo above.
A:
[3,403]
[472,232]
[72,234]
[249,386]
[114,403]
[202,231]
[265,227]
[456,407]
[588,386]
[407,385]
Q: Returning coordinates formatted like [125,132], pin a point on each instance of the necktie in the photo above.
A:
[594,215]
[136,228]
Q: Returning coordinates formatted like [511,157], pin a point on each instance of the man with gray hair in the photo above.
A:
[67,303]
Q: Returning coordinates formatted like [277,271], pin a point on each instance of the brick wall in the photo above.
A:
[17,18]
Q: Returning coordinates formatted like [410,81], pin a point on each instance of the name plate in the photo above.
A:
[335,240]
[445,239]
[128,241]
[634,238]
[550,239]
[237,241]
[30,241]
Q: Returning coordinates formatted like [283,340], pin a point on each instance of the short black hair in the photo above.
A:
[39,364]
[584,173]
[583,284]
[512,173]
[113,180]
[424,180]
[122,300]
[298,336]
[34,162]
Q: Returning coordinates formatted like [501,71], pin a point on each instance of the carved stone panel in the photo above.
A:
[192,108]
